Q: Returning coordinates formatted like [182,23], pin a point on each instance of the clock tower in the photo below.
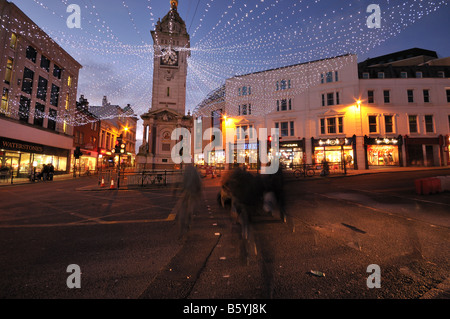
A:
[171,44]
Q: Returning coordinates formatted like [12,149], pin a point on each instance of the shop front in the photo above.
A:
[292,153]
[426,152]
[383,152]
[335,151]
[20,158]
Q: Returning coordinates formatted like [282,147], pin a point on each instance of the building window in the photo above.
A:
[338,99]
[67,101]
[57,71]
[282,105]
[284,129]
[441,74]
[387,96]
[27,82]
[13,42]
[410,96]
[448,96]
[323,99]
[330,99]
[292,124]
[9,67]
[373,124]
[42,89]
[381,75]
[31,54]
[389,123]
[283,85]
[413,124]
[168,92]
[244,109]
[370,97]
[45,63]
[4,106]
[419,75]
[329,77]
[404,75]
[55,95]
[366,76]
[24,109]
[244,91]
[336,76]
[332,125]
[52,114]
[426,96]
[278,86]
[322,79]
[429,124]
[69,81]
[39,114]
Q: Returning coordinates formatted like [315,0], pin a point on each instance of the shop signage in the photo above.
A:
[333,142]
[26,147]
[20,146]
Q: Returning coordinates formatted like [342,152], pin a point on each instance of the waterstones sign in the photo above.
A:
[20,146]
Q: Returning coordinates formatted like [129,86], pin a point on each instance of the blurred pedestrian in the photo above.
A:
[51,172]
[45,171]
[191,193]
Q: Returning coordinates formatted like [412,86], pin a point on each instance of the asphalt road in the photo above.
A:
[126,243]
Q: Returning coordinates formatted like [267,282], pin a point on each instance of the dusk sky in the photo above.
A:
[228,38]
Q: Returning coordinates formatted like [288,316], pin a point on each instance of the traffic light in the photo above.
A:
[78,153]
[120,146]
[269,143]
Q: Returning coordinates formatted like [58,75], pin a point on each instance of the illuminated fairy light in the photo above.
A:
[246,37]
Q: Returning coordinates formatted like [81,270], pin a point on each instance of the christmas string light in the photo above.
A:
[246,37]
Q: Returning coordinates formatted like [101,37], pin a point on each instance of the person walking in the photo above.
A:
[191,192]
[51,172]
[45,171]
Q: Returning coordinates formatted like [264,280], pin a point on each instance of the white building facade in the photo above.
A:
[331,110]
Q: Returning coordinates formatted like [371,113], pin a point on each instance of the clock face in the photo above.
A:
[169,57]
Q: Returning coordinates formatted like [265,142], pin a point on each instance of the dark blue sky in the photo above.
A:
[229,37]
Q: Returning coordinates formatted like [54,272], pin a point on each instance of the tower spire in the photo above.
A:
[174,4]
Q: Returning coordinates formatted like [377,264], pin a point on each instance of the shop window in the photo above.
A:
[39,115]
[52,115]
[429,124]
[373,124]
[27,82]
[31,54]
[383,155]
[413,128]
[389,123]
[24,109]
[45,63]
[4,105]
[9,67]
[42,89]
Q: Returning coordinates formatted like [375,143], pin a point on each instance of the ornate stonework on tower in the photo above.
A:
[171,44]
